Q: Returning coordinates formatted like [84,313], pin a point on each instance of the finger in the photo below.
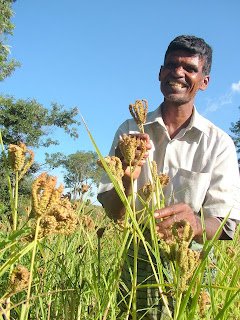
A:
[139,163]
[166,212]
[174,218]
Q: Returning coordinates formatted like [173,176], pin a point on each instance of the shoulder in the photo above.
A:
[213,132]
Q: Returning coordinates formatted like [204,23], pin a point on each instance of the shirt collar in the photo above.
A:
[197,121]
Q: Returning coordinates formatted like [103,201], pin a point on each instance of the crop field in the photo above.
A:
[62,259]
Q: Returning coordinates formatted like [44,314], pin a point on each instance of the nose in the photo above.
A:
[178,70]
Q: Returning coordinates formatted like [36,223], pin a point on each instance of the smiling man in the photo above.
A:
[199,157]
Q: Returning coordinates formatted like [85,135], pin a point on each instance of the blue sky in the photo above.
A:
[102,55]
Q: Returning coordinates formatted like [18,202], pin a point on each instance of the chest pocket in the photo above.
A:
[189,187]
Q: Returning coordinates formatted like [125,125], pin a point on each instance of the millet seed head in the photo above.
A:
[19,279]
[139,112]
[154,171]
[182,231]
[204,302]
[16,157]
[44,193]
[164,179]
[146,192]
[61,219]
[20,158]
[115,166]
[128,146]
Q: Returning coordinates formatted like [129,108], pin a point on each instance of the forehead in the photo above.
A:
[184,56]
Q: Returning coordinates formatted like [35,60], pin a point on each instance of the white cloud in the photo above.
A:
[236,87]
[215,104]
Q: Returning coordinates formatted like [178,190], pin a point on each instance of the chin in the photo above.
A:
[176,99]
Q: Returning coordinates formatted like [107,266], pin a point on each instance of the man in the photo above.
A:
[199,158]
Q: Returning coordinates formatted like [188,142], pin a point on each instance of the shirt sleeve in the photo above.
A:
[223,195]
[229,227]
[106,184]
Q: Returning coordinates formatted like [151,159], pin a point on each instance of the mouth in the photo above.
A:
[177,85]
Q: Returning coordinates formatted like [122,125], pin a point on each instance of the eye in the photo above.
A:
[191,69]
[170,65]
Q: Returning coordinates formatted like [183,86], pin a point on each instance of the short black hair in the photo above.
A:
[193,45]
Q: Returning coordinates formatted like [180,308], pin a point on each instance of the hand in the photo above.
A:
[175,213]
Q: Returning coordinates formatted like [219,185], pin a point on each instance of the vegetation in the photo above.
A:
[6,28]
[62,259]
[236,131]
[32,123]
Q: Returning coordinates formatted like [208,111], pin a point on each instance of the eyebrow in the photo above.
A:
[184,64]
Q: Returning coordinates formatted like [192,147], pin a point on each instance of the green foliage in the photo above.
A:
[30,122]
[77,276]
[6,28]
[81,168]
[236,130]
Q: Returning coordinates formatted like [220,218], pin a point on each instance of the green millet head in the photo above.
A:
[182,231]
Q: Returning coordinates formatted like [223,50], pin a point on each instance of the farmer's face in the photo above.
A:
[182,76]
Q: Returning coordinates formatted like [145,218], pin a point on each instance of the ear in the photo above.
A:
[205,82]
[159,75]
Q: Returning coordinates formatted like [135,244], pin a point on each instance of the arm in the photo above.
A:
[112,203]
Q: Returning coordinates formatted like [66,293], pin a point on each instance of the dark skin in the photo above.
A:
[181,78]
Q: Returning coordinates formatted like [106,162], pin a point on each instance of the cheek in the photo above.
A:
[162,74]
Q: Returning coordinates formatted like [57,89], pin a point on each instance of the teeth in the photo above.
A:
[175,84]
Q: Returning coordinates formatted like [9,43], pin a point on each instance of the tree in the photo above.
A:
[6,28]
[23,120]
[81,169]
[26,121]
[31,123]
[236,130]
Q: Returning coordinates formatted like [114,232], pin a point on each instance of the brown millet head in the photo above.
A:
[61,219]
[129,145]
[20,158]
[56,196]
[19,279]
[164,179]
[139,112]
[44,193]
[28,163]
[146,192]
[48,226]
[16,157]
[115,166]
[204,302]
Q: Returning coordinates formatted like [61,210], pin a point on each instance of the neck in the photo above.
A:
[176,117]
